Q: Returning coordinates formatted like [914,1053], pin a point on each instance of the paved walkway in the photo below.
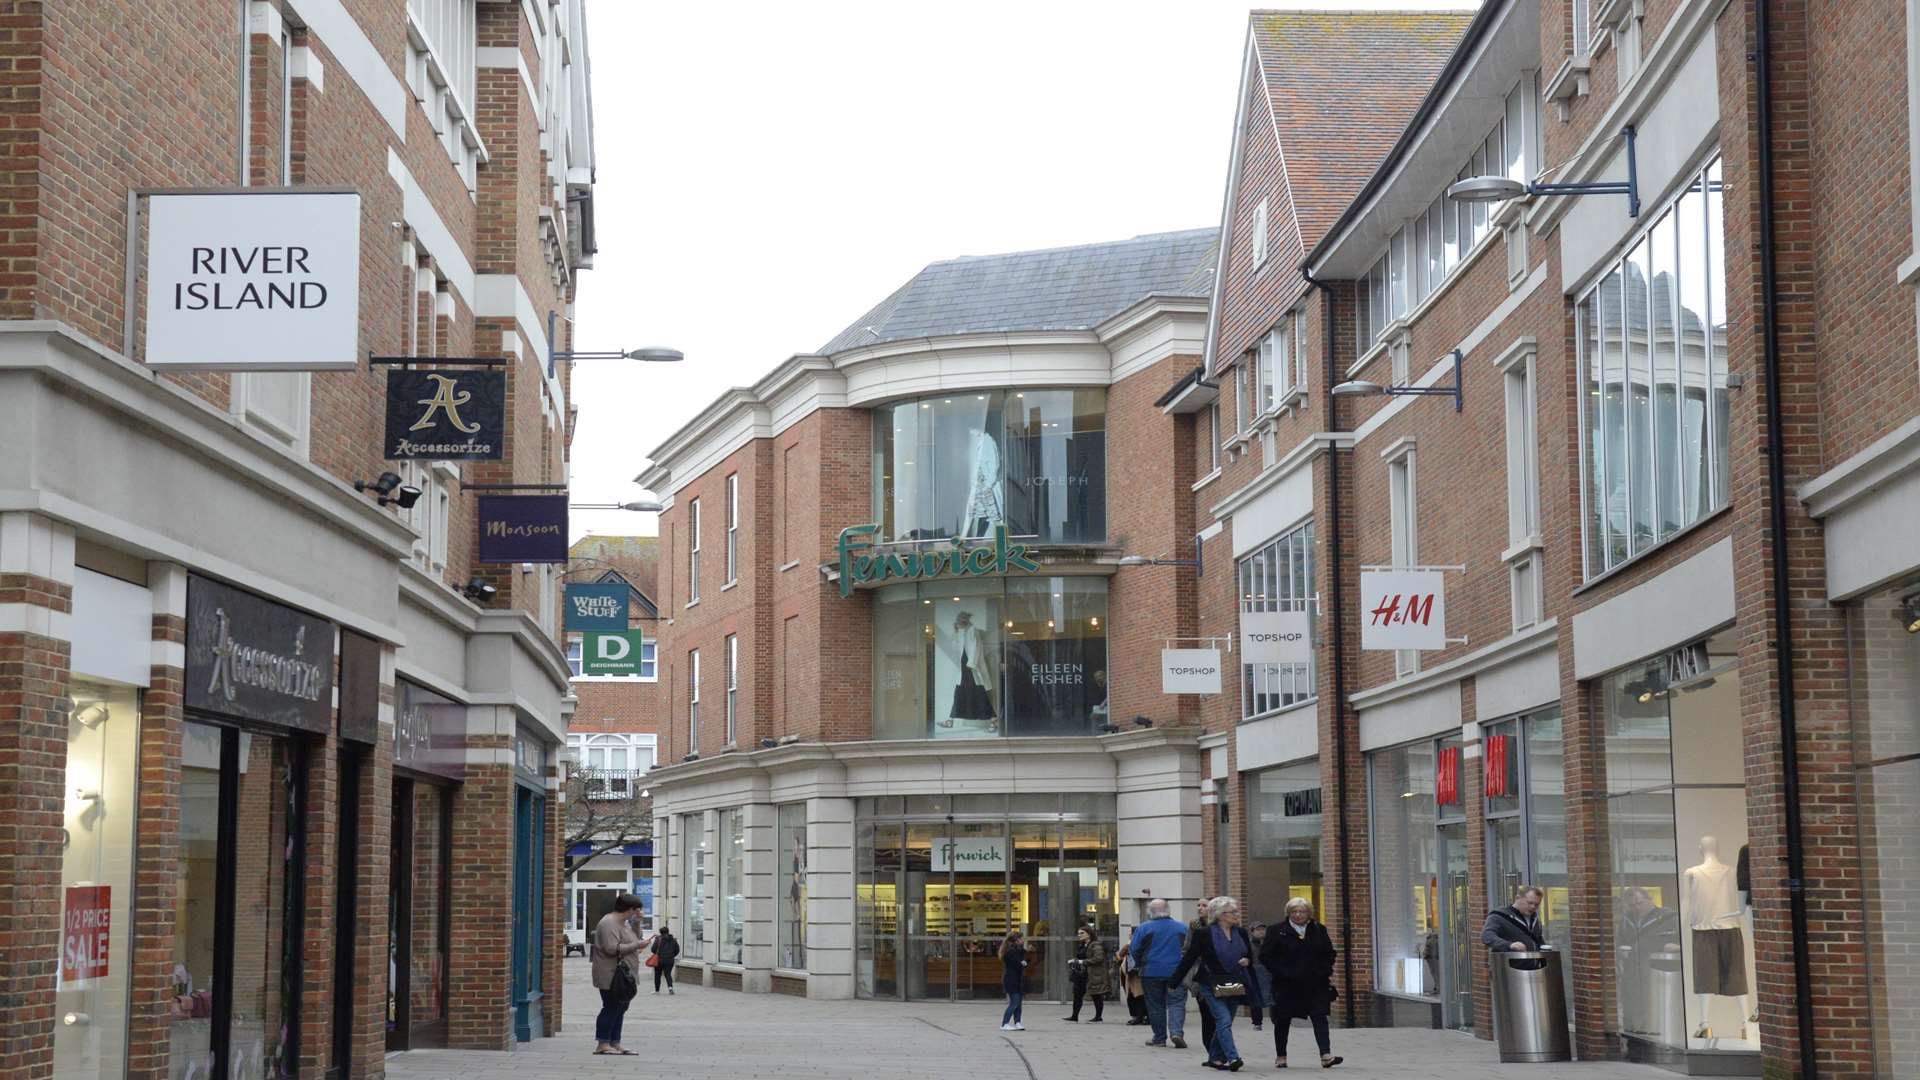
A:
[702,1034]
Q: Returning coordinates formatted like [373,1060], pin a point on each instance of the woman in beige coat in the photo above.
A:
[615,944]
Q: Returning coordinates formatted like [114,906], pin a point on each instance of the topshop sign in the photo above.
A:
[243,280]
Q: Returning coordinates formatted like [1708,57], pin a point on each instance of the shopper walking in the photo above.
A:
[1156,947]
[1221,959]
[1013,979]
[666,949]
[1198,924]
[1260,988]
[616,941]
[1087,971]
[1299,956]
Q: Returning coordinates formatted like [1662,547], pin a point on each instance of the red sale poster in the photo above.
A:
[85,932]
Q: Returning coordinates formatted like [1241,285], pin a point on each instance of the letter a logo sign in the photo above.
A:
[447,399]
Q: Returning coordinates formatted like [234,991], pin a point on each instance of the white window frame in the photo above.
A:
[1266,580]
[1300,350]
[693,701]
[1260,251]
[1213,437]
[733,686]
[576,654]
[1524,543]
[733,528]
[693,552]
[443,73]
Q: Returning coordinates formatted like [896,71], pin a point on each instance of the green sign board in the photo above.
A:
[611,653]
[857,567]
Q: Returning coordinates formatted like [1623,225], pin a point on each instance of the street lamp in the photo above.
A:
[1499,188]
[1363,388]
[651,354]
[1196,562]
[643,506]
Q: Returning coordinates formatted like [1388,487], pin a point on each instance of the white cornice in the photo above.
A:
[1535,638]
[1295,459]
[1890,456]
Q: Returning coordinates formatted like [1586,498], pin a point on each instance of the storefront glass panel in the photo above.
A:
[1678,838]
[960,465]
[96,875]
[733,885]
[978,659]
[693,870]
[1406,871]
[1885,638]
[790,901]
[1283,840]
[196,903]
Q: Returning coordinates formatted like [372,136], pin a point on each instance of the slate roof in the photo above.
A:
[1343,85]
[1070,288]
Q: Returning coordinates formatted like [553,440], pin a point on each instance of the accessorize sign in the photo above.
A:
[964,853]
[1403,609]
[429,732]
[599,607]
[251,658]
[1189,671]
[446,415]
[523,528]
[1276,637]
[611,654]
[963,559]
[254,281]
[86,933]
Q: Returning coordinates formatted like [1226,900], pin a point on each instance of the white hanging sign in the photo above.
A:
[254,281]
[1403,609]
[1276,637]
[1189,671]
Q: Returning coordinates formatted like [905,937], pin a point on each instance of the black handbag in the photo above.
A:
[625,986]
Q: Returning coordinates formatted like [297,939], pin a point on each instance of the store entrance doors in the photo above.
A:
[419,915]
[529,874]
[1458,942]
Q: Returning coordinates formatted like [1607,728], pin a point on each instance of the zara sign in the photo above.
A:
[253,280]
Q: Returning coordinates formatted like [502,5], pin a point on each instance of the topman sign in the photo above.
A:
[961,560]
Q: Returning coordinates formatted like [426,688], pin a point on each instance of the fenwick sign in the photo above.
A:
[961,560]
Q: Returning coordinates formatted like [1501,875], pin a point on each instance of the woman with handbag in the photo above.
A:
[666,949]
[1299,955]
[1221,959]
[1088,973]
[615,944]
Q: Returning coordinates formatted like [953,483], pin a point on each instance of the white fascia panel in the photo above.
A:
[432,233]
[502,56]
[333,24]
[1685,602]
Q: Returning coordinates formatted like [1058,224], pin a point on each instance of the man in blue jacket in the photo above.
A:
[1156,947]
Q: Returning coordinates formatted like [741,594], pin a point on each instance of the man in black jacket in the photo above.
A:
[1518,927]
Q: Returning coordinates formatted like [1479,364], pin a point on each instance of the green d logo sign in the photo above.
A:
[611,654]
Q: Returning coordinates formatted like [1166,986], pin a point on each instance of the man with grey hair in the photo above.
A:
[1157,947]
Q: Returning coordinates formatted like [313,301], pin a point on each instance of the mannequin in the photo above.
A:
[972,697]
[1714,914]
[984,509]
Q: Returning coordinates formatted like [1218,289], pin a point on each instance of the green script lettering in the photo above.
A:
[861,564]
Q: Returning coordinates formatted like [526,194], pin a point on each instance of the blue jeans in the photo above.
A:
[1177,1011]
[1012,1015]
[606,1026]
[1222,1048]
[1156,991]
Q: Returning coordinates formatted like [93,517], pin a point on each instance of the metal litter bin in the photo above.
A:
[1530,1007]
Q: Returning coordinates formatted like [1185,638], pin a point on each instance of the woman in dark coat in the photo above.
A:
[667,948]
[1088,973]
[1299,955]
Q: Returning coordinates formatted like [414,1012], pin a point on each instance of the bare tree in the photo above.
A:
[607,809]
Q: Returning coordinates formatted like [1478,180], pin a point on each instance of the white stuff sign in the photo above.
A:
[254,281]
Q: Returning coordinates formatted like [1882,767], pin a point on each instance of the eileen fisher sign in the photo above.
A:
[960,560]
[253,281]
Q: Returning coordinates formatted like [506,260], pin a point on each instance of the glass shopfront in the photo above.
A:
[96,878]
[959,464]
[428,736]
[1525,780]
[1885,636]
[790,891]
[1283,840]
[1424,933]
[942,880]
[988,657]
[1677,831]
[530,761]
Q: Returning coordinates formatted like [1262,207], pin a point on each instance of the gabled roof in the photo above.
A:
[1071,288]
[1343,85]
[632,559]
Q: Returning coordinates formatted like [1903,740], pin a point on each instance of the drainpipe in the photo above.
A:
[1777,514]
[1345,853]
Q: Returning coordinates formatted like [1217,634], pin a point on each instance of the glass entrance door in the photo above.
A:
[530,815]
[1457,939]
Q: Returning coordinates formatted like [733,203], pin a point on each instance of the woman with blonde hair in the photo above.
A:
[1299,956]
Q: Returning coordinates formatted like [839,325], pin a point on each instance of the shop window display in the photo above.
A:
[693,848]
[1283,840]
[790,896]
[1678,835]
[978,659]
[1885,646]
[96,877]
[733,885]
[1405,871]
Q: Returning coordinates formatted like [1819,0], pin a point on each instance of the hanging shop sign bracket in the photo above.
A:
[1211,641]
[439,361]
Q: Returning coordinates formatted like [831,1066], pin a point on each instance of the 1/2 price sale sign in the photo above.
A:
[85,932]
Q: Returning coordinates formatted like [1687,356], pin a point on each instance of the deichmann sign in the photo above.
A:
[611,654]
[253,281]
[251,658]
[1403,609]
[601,608]
[960,560]
[964,853]
[523,528]
[446,415]
[1189,671]
[1275,637]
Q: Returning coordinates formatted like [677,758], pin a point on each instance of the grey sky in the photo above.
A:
[768,171]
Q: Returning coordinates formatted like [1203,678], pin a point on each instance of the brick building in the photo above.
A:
[613,741]
[277,756]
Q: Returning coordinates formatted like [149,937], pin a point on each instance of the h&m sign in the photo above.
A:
[253,280]
[960,560]
[446,415]
[1403,609]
